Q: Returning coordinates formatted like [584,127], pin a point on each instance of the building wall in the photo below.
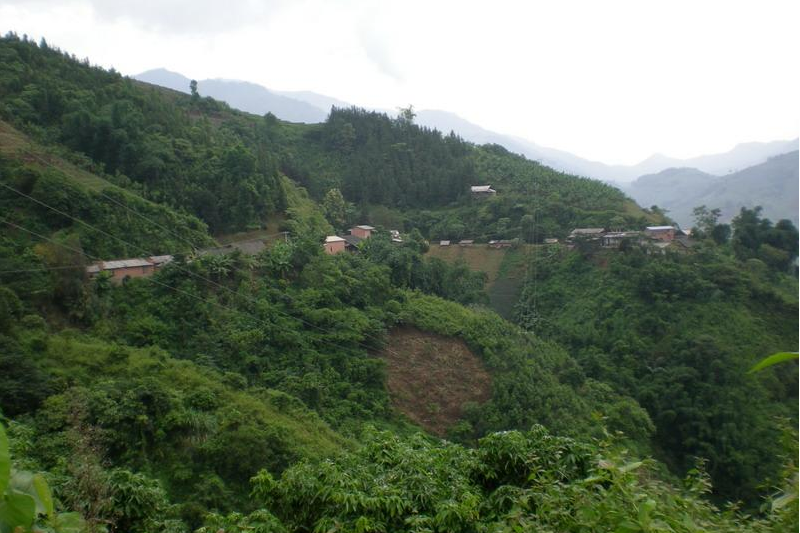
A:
[487,194]
[332,248]
[665,235]
[363,233]
[119,274]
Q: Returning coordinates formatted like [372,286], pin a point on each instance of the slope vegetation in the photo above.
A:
[504,269]
[156,401]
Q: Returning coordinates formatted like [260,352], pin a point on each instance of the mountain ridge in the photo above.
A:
[310,107]
[772,184]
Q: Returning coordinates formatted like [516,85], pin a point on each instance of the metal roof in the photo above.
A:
[125,263]
[587,231]
[333,238]
[444,243]
[482,188]
[249,247]
[365,227]
[160,259]
[352,240]
[659,228]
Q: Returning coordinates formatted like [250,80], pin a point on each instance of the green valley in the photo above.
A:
[543,384]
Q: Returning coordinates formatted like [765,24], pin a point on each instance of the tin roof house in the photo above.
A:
[482,191]
[334,244]
[660,233]
[121,269]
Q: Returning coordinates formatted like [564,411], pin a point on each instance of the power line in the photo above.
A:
[151,221]
[138,214]
[152,280]
[42,269]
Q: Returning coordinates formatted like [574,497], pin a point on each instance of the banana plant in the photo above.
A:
[773,359]
[26,502]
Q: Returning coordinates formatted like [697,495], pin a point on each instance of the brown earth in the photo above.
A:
[430,377]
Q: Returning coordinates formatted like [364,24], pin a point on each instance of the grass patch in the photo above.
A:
[16,145]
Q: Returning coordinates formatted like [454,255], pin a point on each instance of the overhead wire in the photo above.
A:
[42,269]
[213,302]
[181,238]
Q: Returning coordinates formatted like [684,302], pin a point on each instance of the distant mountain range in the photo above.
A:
[772,185]
[247,96]
[749,174]
[740,157]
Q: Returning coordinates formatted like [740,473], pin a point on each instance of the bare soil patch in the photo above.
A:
[430,377]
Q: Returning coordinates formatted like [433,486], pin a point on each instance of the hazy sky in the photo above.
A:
[609,80]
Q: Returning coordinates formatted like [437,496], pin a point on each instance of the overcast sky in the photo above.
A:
[611,80]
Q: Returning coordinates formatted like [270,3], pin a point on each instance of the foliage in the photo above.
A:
[26,502]
[676,332]
[707,226]
[512,481]
[773,359]
[335,208]
[533,381]
[161,148]
[153,230]
[409,269]
[756,237]
[152,403]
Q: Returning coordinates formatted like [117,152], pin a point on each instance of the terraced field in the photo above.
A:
[505,270]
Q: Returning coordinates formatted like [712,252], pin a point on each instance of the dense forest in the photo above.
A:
[236,392]
[678,333]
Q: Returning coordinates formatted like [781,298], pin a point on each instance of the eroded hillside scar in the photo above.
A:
[430,377]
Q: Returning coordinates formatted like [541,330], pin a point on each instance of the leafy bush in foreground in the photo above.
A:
[513,481]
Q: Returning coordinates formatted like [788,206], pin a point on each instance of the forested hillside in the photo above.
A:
[192,154]
[235,392]
[678,333]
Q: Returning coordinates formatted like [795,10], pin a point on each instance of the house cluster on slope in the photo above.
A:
[482,191]
[503,243]
[660,237]
[335,244]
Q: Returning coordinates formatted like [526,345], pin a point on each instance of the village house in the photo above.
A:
[121,269]
[551,241]
[482,191]
[584,233]
[444,243]
[160,260]
[503,243]
[334,244]
[362,232]
[466,242]
[590,236]
[396,238]
[660,233]
[614,239]
[684,240]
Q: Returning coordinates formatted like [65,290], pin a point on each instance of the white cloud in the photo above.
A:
[614,80]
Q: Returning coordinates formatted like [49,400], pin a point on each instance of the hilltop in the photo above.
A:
[311,107]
